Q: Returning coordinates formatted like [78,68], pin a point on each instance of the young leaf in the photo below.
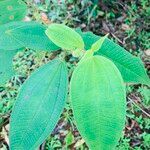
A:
[64,37]
[16,35]
[38,106]
[6,68]
[99,103]
[131,67]
[12,10]
[98,44]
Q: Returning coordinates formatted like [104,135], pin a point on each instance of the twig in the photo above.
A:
[117,39]
[4,123]
[147,114]
[124,7]
[42,147]
[5,115]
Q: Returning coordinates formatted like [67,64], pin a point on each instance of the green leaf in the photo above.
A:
[12,10]
[69,139]
[65,37]
[98,44]
[38,106]
[131,67]
[16,35]
[6,68]
[99,103]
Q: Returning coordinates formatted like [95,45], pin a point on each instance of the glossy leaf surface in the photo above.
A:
[16,35]
[64,37]
[131,67]
[98,101]
[38,106]
[6,67]
[12,10]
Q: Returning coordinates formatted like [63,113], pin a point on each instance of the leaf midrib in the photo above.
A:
[52,112]
[39,107]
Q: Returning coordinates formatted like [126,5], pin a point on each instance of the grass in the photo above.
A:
[127,23]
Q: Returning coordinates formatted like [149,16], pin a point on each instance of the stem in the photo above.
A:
[147,114]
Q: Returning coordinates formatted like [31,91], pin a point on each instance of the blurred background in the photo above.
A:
[128,24]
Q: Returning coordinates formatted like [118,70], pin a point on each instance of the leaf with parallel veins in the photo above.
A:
[131,67]
[99,103]
[38,106]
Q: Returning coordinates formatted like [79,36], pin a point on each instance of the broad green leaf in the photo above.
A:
[16,35]
[12,10]
[38,106]
[64,37]
[6,68]
[99,102]
[131,67]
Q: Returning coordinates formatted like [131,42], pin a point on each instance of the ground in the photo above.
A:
[127,22]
